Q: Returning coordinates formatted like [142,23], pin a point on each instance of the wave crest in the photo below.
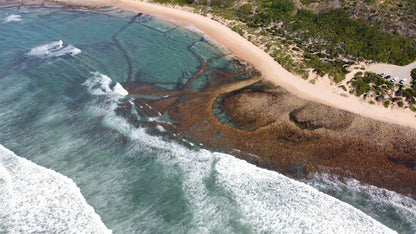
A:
[36,199]
[53,49]
[377,201]
[100,84]
[12,18]
[219,187]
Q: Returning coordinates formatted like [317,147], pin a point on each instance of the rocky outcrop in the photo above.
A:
[268,126]
[313,116]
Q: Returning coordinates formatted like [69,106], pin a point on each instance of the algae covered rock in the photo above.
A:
[313,116]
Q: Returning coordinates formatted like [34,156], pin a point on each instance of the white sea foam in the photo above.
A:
[377,198]
[120,90]
[40,200]
[12,18]
[194,29]
[208,38]
[53,49]
[221,189]
[100,84]
[291,205]
[68,50]
[160,128]
[46,49]
[265,201]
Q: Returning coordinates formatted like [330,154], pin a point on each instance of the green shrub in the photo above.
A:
[361,87]
[238,29]
[358,75]
[222,3]
[343,87]
[244,12]
[352,37]
[308,1]
[182,2]
[413,75]
[338,35]
[386,104]
[281,8]
[400,103]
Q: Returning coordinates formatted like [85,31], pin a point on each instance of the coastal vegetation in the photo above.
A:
[324,37]
[214,107]
[319,38]
[413,75]
[374,87]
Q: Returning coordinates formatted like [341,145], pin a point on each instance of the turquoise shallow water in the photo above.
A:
[60,75]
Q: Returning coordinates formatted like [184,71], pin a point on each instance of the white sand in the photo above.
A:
[322,92]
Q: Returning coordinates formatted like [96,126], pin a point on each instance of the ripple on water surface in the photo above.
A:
[63,112]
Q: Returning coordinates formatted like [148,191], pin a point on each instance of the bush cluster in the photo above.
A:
[413,75]
[331,40]
[363,84]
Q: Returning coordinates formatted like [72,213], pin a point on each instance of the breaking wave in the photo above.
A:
[373,200]
[12,18]
[40,200]
[221,188]
[53,49]
[99,84]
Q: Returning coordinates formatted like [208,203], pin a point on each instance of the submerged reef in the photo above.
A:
[268,126]
[225,105]
[230,108]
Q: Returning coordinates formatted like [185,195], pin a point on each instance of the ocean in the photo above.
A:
[71,162]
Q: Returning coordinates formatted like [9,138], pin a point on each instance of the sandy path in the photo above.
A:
[322,92]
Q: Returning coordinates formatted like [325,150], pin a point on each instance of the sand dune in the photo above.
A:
[322,92]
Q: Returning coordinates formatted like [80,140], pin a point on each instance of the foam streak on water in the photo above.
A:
[12,18]
[231,195]
[100,84]
[220,187]
[36,199]
[65,113]
[374,200]
[53,49]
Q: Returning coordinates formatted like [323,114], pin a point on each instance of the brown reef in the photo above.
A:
[264,124]
[243,115]
[237,112]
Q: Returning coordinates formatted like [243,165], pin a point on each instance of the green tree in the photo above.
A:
[413,75]
[281,8]
[244,12]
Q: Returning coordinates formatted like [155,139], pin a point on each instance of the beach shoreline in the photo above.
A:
[322,92]
[241,115]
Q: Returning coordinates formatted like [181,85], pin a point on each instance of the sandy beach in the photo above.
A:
[322,92]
